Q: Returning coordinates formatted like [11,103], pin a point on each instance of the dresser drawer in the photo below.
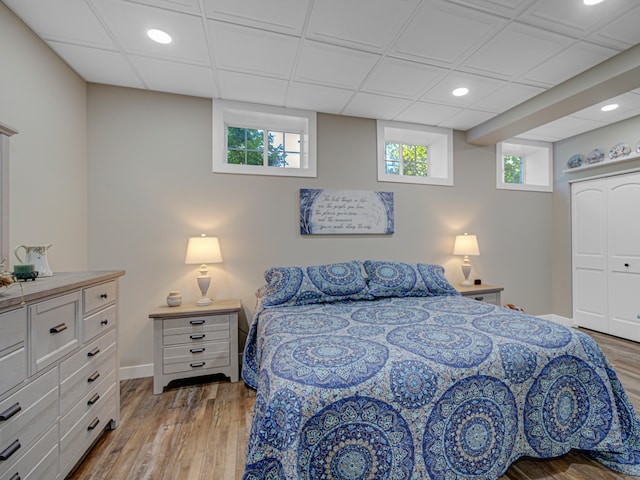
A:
[14,369]
[38,463]
[13,325]
[85,369]
[196,357]
[195,329]
[53,329]
[98,322]
[93,400]
[75,442]
[30,411]
[98,296]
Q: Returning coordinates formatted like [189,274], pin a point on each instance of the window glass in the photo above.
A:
[512,168]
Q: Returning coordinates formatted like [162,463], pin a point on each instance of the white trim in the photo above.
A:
[567,322]
[250,115]
[440,143]
[136,371]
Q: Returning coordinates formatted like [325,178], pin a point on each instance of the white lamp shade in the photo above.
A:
[466,245]
[203,250]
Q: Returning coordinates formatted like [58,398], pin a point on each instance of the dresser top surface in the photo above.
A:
[57,284]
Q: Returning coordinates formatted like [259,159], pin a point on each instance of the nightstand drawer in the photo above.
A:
[198,329]
[486,297]
[203,355]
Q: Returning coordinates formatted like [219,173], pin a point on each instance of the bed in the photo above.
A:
[381,370]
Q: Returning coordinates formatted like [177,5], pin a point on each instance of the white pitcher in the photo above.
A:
[36,255]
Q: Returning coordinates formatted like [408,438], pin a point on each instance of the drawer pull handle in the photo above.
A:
[93,399]
[10,450]
[198,364]
[197,350]
[16,476]
[197,337]
[479,298]
[93,352]
[93,377]
[196,322]
[10,412]
[58,328]
[104,295]
[104,322]
[93,424]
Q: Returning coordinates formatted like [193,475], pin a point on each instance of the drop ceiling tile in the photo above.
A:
[427,113]
[317,98]
[333,66]
[507,97]
[375,106]
[187,6]
[285,16]
[574,60]
[98,66]
[366,24]
[516,49]
[164,76]
[573,18]
[466,119]
[621,33]
[129,22]
[629,105]
[251,88]
[249,50]
[507,8]
[63,20]
[444,33]
[393,76]
[564,127]
[479,87]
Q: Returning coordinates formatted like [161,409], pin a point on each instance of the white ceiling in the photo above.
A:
[387,59]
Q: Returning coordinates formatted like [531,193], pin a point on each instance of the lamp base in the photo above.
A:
[466,270]
[204,301]
[466,283]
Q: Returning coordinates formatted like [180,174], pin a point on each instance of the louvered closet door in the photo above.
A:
[589,246]
[624,255]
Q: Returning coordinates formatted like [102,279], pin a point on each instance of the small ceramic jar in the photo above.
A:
[174,299]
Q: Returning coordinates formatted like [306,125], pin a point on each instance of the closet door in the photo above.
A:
[589,247]
[623,217]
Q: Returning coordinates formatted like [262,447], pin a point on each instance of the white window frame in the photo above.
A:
[264,117]
[537,165]
[440,147]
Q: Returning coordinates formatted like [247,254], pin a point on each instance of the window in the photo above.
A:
[263,140]
[524,165]
[410,153]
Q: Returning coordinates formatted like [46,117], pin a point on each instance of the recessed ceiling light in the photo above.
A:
[608,108]
[159,36]
[592,2]
[460,92]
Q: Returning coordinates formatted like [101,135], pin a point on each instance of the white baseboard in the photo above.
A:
[567,322]
[137,371]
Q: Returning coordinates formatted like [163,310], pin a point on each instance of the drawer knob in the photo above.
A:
[10,412]
[93,352]
[93,424]
[58,328]
[93,399]
[104,295]
[93,377]
[199,336]
[10,450]
[479,298]
[197,350]
[198,364]
[196,322]
[104,322]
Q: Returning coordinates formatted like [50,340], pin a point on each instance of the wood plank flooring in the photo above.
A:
[198,431]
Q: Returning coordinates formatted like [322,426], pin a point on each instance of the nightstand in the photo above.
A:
[482,293]
[191,341]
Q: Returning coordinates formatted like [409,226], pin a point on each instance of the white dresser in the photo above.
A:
[58,372]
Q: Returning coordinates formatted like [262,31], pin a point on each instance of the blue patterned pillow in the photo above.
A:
[396,279]
[317,284]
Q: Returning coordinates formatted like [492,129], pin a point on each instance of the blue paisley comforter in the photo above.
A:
[439,387]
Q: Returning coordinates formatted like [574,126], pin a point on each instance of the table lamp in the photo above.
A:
[203,250]
[466,245]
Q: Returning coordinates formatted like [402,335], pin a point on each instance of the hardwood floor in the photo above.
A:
[199,431]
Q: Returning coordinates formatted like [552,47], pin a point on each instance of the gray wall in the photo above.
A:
[151,187]
[627,131]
